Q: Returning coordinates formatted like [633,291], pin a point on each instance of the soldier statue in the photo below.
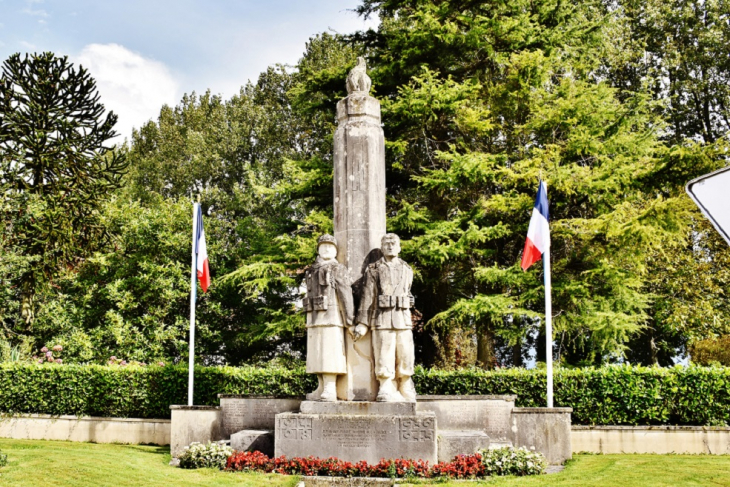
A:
[329,307]
[385,308]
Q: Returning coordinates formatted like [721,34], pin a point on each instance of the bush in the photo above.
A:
[512,461]
[620,395]
[212,455]
[3,459]
[711,351]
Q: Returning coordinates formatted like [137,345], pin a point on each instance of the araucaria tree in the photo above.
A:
[56,169]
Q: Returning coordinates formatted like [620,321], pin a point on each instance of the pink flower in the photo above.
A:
[40,360]
[49,358]
[57,348]
[49,354]
[59,361]
[44,349]
[124,362]
[112,358]
[161,364]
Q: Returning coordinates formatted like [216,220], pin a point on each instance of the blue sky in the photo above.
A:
[144,54]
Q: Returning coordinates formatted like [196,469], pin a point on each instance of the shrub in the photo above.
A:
[621,395]
[212,455]
[512,461]
[3,459]
[711,351]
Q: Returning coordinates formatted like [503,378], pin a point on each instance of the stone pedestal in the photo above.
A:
[381,430]
[359,217]
[546,430]
[193,424]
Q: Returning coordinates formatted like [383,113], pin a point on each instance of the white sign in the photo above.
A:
[711,192]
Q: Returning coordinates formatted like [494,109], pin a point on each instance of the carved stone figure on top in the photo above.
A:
[385,307]
[358,80]
[329,307]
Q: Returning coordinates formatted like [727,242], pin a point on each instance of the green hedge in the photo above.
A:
[608,395]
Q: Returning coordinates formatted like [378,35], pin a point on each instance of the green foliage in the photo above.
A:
[608,395]
[711,351]
[55,172]
[512,461]
[130,300]
[3,459]
[211,455]
[479,101]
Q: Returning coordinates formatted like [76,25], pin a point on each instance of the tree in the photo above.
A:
[56,168]
[479,100]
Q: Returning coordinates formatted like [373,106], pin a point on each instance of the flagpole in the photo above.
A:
[193,291]
[548,327]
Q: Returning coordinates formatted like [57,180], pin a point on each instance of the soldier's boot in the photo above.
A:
[329,392]
[387,392]
[407,389]
[314,396]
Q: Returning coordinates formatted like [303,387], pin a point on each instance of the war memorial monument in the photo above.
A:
[360,344]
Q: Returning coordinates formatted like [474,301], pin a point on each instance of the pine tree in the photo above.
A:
[55,167]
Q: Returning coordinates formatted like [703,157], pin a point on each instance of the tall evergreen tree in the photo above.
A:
[480,100]
[56,168]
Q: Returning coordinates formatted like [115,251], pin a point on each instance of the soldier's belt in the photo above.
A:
[318,303]
[386,301]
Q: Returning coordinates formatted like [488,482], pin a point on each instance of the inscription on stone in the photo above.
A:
[420,429]
[498,420]
[354,438]
[294,428]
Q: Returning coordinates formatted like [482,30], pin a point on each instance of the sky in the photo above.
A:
[146,53]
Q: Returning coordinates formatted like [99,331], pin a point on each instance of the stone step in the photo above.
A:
[254,440]
[460,442]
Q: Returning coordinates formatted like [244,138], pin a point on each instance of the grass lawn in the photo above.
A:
[61,463]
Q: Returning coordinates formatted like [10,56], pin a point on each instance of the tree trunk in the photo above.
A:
[485,348]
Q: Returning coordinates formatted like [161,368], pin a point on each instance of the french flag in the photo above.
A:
[201,252]
[538,233]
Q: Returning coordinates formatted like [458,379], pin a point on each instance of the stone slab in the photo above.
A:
[702,440]
[490,414]
[357,437]
[254,440]
[193,423]
[546,430]
[359,408]
[253,412]
[452,443]
[85,428]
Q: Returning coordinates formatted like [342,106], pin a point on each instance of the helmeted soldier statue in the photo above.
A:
[329,307]
[385,308]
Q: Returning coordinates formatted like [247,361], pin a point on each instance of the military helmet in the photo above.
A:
[327,238]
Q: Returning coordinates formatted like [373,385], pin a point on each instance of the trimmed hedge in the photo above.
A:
[619,395]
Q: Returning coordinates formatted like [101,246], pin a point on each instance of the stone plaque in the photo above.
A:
[356,437]
[253,413]
[490,414]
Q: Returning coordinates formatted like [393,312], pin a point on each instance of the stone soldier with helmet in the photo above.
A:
[329,307]
[385,308]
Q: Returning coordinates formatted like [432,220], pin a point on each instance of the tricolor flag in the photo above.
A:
[538,233]
[201,253]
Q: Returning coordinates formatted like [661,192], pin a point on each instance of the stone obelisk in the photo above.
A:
[359,209]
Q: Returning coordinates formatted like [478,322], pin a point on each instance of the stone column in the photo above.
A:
[359,209]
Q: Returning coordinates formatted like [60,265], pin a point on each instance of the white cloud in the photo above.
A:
[133,86]
[35,13]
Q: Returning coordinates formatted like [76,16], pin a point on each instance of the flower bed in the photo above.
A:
[501,461]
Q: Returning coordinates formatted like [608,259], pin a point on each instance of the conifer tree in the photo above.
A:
[56,167]
[480,100]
